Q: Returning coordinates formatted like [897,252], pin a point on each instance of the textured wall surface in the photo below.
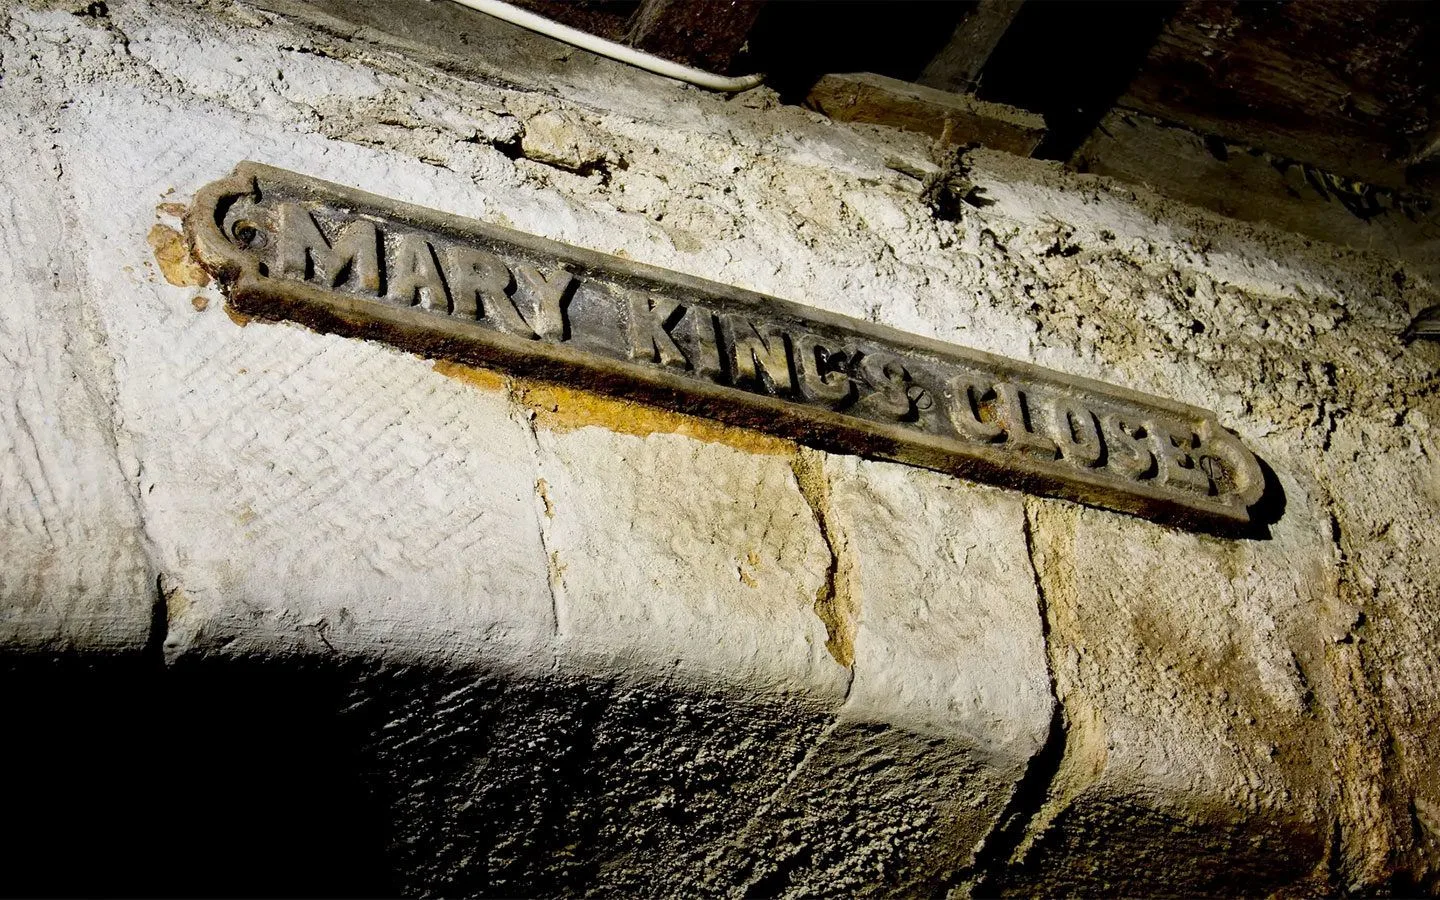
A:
[581,646]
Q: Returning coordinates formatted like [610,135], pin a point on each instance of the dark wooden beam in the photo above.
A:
[958,64]
[1069,62]
[953,119]
[1346,86]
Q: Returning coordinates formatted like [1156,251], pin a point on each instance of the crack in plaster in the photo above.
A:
[1030,809]
[1365,840]
[835,593]
[836,601]
[541,506]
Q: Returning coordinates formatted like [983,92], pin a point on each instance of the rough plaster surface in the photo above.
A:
[695,554]
[631,654]
[76,573]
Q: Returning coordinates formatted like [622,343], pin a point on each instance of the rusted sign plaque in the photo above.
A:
[339,260]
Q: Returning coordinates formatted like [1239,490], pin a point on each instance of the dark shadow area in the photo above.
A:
[1272,503]
[796,43]
[1270,507]
[1070,62]
[128,780]
[317,778]
[1133,849]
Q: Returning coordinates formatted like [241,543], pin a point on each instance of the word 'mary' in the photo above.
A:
[340,260]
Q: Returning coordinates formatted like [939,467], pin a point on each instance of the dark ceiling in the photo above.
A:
[1315,115]
[1347,86]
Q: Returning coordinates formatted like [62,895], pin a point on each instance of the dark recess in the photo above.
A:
[125,779]
[796,43]
[1070,62]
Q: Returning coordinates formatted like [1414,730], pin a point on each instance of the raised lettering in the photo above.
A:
[705,357]
[1014,416]
[966,398]
[548,294]
[1073,429]
[817,367]
[353,258]
[288,247]
[1125,452]
[757,354]
[1172,443]
[651,316]
[415,275]
[891,381]
[480,283]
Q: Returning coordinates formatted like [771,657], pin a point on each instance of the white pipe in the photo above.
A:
[598,45]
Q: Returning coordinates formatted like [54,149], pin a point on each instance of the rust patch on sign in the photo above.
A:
[595,339]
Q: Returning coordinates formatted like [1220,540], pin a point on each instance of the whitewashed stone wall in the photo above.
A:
[704,660]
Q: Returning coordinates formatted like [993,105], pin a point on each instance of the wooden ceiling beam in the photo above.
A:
[958,65]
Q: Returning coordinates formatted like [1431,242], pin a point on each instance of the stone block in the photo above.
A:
[300,492]
[933,598]
[1389,635]
[76,575]
[1188,668]
[948,636]
[677,558]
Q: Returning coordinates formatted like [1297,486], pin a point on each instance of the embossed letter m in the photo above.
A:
[306,255]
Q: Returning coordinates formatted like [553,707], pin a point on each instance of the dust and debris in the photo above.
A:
[562,139]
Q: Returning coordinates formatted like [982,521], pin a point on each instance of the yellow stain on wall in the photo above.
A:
[559,408]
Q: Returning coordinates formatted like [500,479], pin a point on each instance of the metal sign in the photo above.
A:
[343,261]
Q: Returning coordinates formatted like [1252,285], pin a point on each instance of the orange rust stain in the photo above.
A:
[236,316]
[563,409]
[484,379]
[177,210]
[173,257]
[838,612]
[543,489]
[200,302]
